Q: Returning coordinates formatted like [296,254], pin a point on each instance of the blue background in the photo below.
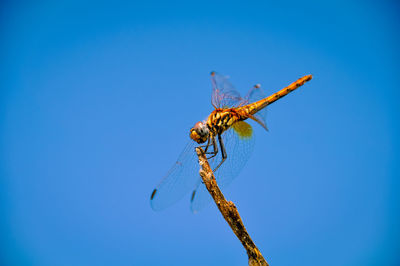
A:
[97,100]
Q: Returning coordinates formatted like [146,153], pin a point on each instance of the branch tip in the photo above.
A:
[229,211]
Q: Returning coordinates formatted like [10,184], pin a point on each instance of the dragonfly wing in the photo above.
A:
[224,95]
[239,144]
[181,178]
[257,93]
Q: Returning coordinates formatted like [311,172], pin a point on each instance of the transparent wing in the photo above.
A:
[238,148]
[257,93]
[224,95]
[184,177]
[181,178]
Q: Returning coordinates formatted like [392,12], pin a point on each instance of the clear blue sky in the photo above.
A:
[96,103]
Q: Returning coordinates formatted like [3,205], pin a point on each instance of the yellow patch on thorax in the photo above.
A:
[243,129]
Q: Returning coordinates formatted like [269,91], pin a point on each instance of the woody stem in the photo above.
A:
[229,212]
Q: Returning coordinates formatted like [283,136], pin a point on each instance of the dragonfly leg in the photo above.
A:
[215,146]
[223,152]
[205,147]
[214,153]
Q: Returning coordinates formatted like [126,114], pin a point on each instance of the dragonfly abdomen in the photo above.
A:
[253,108]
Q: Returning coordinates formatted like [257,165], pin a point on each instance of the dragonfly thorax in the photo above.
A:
[200,132]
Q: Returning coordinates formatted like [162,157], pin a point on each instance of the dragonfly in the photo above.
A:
[226,138]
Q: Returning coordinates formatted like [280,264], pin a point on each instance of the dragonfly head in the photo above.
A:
[199,132]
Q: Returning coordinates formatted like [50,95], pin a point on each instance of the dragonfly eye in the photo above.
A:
[199,132]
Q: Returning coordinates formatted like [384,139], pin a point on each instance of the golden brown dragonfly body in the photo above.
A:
[222,119]
[224,126]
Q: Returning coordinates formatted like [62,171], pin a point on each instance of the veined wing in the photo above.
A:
[180,179]
[257,93]
[224,95]
[239,144]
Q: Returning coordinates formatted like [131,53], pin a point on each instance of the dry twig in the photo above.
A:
[229,211]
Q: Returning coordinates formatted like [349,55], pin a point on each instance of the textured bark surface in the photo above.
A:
[229,211]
